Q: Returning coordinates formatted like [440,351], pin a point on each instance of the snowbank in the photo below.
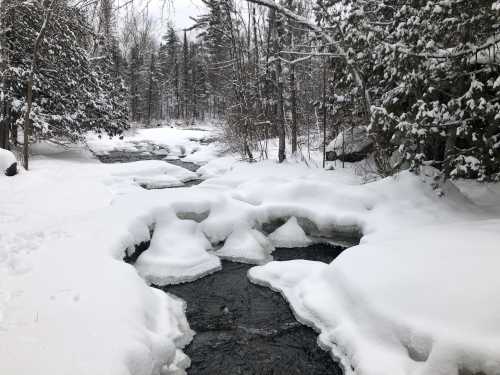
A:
[8,163]
[68,303]
[180,142]
[178,252]
[420,306]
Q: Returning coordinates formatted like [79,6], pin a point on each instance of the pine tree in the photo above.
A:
[71,94]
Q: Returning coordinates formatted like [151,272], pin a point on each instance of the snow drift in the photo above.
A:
[8,163]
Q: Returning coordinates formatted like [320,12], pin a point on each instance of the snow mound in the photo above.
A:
[248,246]
[8,163]
[150,174]
[158,182]
[414,319]
[290,234]
[177,253]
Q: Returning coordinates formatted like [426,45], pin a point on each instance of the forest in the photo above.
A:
[255,187]
[418,79]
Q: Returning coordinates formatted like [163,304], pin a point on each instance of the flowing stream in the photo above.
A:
[242,328]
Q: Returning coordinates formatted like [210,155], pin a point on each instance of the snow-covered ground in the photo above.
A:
[417,296]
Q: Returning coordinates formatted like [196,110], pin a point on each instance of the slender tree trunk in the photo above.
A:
[293,92]
[150,89]
[279,85]
[293,100]
[29,91]
[4,106]
[324,115]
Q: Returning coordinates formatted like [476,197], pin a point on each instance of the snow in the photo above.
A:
[350,141]
[373,302]
[178,252]
[372,305]
[7,158]
[180,142]
[417,296]
[246,245]
[151,174]
[290,234]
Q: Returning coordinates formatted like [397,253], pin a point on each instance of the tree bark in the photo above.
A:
[279,85]
[4,106]
[324,115]
[293,99]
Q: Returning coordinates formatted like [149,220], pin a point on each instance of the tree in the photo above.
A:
[69,93]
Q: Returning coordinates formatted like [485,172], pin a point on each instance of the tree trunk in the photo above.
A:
[293,99]
[279,86]
[150,89]
[324,115]
[4,106]
[29,91]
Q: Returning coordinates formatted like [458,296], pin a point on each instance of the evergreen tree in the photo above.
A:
[71,93]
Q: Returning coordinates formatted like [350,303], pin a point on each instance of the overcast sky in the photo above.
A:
[178,13]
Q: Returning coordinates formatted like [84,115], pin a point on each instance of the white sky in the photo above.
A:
[164,11]
[178,13]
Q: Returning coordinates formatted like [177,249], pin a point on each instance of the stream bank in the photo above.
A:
[242,328]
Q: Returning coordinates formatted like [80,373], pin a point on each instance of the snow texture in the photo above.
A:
[178,252]
[290,234]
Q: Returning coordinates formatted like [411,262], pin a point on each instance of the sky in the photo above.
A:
[179,12]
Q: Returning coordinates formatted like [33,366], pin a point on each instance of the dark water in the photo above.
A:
[242,328]
[149,152]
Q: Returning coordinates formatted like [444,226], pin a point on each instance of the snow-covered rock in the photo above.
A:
[178,252]
[8,163]
[247,245]
[290,234]
[350,145]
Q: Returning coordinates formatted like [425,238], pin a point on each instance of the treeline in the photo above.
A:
[419,80]
[57,73]
[167,78]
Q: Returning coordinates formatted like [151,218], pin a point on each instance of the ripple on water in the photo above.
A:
[242,328]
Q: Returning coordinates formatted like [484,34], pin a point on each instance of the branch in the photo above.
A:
[454,55]
[328,38]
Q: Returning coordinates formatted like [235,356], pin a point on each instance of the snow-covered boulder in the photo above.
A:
[290,234]
[350,145]
[8,163]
